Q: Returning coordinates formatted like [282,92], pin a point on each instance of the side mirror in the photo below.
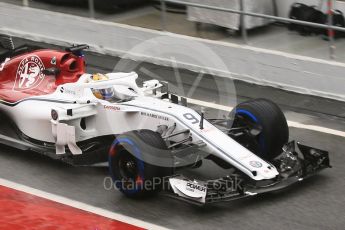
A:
[51,71]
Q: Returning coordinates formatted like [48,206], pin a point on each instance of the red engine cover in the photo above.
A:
[21,77]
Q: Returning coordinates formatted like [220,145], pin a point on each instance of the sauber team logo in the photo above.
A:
[29,73]
[255,164]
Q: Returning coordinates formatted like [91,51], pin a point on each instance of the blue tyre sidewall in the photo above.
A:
[140,164]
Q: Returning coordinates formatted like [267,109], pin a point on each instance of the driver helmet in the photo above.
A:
[103,94]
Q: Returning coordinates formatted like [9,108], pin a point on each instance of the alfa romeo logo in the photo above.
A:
[29,73]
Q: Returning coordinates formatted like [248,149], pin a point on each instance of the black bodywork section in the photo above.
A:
[9,53]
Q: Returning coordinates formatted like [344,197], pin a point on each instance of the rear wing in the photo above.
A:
[6,42]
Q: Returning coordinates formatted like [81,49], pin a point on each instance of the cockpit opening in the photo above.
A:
[112,93]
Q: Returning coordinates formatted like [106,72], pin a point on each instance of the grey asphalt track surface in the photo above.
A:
[317,203]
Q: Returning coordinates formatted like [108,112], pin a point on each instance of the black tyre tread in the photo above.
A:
[155,140]
[146,139]
[273,121]
[151,138]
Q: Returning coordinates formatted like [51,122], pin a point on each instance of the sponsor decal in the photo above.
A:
[208,129]
[192,187]
[188,189]
[255,164]
[2,66]
[154,116]
[111,107]
[29,73]
[67,91]
[53,61]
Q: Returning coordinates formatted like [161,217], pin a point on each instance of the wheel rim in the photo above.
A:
[128,166]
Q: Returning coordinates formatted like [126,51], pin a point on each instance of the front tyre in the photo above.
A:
[274,133]
[139,162]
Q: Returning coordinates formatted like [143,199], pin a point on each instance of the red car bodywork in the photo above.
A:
[21,76]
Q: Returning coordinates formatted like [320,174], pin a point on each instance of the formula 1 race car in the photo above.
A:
[148,136]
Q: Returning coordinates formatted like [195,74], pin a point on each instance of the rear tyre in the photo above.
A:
[274,129]
[139,162]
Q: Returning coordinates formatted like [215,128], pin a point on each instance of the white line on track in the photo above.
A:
[79,205]
[290,123]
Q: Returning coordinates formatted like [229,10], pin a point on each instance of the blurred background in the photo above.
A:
[182,17]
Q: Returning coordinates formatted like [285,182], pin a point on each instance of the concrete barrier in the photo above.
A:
[260,66]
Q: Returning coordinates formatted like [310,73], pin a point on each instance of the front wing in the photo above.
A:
[293,166]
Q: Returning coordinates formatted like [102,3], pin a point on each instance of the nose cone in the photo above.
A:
[261,172]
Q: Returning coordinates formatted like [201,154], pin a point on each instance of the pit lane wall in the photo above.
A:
[260,66]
